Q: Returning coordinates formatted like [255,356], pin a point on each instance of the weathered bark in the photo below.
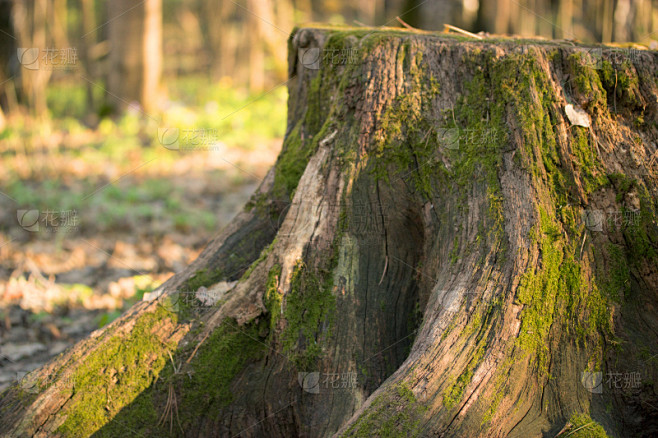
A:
[421,228]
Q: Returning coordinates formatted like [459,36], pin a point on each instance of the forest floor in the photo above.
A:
[92,217]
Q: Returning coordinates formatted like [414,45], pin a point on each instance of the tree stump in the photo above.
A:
[443,248]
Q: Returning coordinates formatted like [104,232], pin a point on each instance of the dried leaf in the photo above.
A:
[577,116]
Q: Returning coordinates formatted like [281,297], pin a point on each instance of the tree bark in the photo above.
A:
[7,52]
[29,21]
[135,53]
[427,257]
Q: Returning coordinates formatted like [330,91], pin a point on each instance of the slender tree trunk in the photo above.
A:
[58,23]
[87,41]
[438,251]
[494,17]
[607,21]
[8,46]
[29,22]
[135,53]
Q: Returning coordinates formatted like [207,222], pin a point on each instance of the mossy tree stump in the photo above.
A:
[437,251]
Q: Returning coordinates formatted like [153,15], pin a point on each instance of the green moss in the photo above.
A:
[411,141]
[202,278]
[263,255]
[394,413]
[203,385]
[621,84]
[291,163]
[308,311]
[257,202]
[451,326]
[622,184]
[557,292]
[407,142]
[587,83]
[618,278]
[498,390]
[222,356]
[582,426]
[473,325]
[535,104]
[325,96]
[587,162]
[482,316]
[124,367]
[273,298]
[454,252]
[455,391]
[641,231]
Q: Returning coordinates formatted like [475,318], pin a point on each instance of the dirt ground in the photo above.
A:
[62,282]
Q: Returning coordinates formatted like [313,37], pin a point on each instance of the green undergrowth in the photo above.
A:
[114,375]
[394,413]
[309,311]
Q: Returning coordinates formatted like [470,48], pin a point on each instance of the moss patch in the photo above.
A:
[587,83]
[223,355]
[273,298]
[621,84]
[114,375]
[202,278]
[394,413]
[641,233]
[455,391]
[407,142]
[582,426]
[202,387]
[291,163]
[558,291]
[263,255]
[308,311]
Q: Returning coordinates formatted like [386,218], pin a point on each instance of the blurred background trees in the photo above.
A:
[125,46]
